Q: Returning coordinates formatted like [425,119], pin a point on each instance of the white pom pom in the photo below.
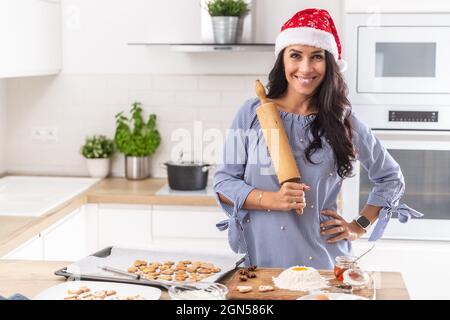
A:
[342,65]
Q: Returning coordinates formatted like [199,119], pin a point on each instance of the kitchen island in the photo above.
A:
[31,277]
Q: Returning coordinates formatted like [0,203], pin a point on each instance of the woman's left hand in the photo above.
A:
[339,227]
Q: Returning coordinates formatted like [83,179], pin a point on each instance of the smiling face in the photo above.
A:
[304,68]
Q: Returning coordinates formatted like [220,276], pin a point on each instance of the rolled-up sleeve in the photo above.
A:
[229,177]
[387,178]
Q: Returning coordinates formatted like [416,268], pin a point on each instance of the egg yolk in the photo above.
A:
[299,269]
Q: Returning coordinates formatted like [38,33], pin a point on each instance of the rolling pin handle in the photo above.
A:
[260,92]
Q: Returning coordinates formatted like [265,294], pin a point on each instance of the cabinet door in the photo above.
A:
[191,228]
[192,222]
[66,240]
[31,250]
[124,225]
[31,37]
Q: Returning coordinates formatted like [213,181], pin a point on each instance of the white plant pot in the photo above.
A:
[98,168]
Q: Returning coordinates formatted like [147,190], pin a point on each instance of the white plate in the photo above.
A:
[334,296]
[59,292]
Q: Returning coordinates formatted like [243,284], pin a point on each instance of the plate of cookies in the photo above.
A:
[95,290]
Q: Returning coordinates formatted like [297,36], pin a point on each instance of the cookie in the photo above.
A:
[99,294]
[167,272]
[204,271]
[147,270]
[191,269]
[181,267]
[138,263]
[244,289]
[132,269]
[265,288]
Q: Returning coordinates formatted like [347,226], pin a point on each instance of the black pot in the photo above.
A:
[187,175]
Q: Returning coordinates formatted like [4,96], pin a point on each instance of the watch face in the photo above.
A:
[363,222]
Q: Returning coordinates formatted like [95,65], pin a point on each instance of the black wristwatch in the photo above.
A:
[363,222]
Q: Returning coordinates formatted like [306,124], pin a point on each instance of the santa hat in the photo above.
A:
[313,27]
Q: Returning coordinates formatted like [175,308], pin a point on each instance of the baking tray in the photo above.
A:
[122,258]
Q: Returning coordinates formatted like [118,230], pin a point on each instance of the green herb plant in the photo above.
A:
[227,8]
[135,137]
[97,147]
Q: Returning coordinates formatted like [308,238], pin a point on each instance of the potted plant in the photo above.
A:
[98,150]
[225,16]
[138,140]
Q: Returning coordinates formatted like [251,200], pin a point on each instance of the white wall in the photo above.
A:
[102,76]
[2,125]
[95,34]
[85,104]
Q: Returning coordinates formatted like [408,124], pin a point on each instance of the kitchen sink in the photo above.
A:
[34,196]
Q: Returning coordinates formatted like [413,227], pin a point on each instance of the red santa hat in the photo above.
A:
[313,27]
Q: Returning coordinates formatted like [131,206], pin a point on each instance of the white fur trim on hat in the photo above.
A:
[310,37]
[342,64]
[307,36]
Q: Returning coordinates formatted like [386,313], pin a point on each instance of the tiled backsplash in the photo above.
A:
[80,105]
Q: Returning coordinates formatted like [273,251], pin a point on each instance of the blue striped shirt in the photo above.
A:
[283,239]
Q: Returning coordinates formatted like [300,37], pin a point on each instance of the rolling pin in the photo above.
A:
[276,139]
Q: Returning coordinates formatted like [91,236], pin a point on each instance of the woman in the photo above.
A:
[326,138]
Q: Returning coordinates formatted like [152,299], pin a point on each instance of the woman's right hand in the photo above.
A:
[290,196]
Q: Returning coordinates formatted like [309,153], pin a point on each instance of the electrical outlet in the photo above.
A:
[44,134]
[51,134]
[37,134]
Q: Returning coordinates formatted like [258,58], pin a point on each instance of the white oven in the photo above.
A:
[399,69]
[399,85]
[425,161]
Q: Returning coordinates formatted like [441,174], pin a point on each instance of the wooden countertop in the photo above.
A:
[31,277]
[17,230]
[120,190]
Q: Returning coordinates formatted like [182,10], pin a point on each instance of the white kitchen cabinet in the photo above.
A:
[30,32]
[186,222]
[189,228]
[124,225]
[92,230]
[67,239]
[388,6]
[33,249]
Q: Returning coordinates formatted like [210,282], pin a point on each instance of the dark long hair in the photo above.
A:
[332,121]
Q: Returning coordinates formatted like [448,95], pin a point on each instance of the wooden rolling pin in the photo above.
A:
[276,139]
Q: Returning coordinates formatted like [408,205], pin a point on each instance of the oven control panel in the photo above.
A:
[413,116]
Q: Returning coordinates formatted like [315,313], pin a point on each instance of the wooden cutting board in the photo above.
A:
[264,277]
